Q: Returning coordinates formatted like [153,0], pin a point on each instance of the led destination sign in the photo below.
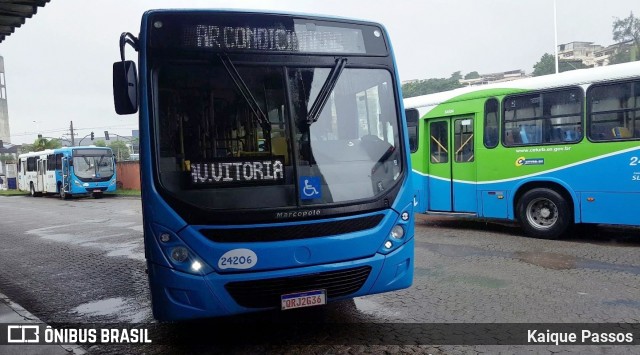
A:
[233,172]
[241,32]
[306,38]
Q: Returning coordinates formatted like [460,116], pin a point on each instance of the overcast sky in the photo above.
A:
[58,65]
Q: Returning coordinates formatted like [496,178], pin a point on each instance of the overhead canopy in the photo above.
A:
[13,14]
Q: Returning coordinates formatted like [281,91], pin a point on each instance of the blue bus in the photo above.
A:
[68,171]
[274,161]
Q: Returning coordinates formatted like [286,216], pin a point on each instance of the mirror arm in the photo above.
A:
[127,38]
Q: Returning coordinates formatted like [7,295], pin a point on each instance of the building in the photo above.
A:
[582,51]
[592,55]
[494,78]
[603,56]
[5,134]
[8,154]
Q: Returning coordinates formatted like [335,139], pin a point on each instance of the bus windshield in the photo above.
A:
[216,151]
[93,165]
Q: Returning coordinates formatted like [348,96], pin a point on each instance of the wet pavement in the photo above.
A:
[82,261]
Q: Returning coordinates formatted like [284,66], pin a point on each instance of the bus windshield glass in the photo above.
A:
[93,164]
[215,149]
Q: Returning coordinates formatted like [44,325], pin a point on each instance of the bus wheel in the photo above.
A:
[544,213]
[63,194]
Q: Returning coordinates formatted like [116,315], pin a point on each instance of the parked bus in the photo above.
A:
[274,160]
[68,171]
[547,151]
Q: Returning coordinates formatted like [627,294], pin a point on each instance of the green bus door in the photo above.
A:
[452,168]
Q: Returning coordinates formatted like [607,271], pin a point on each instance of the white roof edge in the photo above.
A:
[573,77]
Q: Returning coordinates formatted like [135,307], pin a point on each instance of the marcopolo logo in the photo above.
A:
[524,161]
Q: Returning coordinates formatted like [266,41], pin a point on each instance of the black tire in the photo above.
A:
[544,213]
[64,195]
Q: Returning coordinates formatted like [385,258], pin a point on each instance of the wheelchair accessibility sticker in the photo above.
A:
[310,187]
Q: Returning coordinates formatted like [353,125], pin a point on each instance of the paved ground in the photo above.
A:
[82,261]
[12,313]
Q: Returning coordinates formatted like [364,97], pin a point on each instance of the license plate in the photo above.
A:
[97,190]
[304,299]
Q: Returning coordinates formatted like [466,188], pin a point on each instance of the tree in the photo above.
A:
[472,75]
[6,157]
[627,30]
[570,64]
[430,86]
[622,55]
[41,144]
[100,143]
[120,150]
[547,65]
[26,148]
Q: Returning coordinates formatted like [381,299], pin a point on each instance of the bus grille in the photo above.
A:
[301,231]
[266,293]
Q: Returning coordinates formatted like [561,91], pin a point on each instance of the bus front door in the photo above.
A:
[66,187]
[40,176]
[452,167]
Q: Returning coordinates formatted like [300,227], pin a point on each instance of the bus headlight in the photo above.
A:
[165,237]
[179,254]
[397,232]
[196,266]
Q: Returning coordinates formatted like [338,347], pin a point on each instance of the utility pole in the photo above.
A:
[555,33]
[73,143]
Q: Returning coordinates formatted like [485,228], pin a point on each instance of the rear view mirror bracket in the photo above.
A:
[125,79]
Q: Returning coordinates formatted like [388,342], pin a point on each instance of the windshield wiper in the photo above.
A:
[326,90]
[262,119]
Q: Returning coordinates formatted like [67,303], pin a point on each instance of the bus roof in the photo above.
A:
[60,150]
[264,12]
[573,77]
[36,154]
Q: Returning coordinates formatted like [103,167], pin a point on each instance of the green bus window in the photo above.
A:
[543,118]
[491,123]
[463,140]
[439,142]
[614,111]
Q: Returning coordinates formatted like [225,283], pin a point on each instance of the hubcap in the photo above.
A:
[542,213]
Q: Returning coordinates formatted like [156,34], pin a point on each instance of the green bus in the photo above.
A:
[548,152]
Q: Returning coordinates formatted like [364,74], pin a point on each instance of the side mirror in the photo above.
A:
[412,116]
[125,87]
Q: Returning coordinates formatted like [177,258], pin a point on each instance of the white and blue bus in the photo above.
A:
[68,171]
[274,160]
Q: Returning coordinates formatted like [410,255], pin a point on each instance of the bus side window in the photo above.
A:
[491,123]
[634,104]
[566,122]
[613,112]
[412,116]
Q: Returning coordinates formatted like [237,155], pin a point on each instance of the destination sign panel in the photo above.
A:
[265,33]
[233,172]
